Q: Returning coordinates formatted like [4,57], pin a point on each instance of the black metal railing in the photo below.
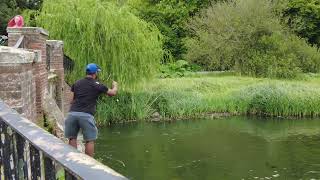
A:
[68,64]
[3,40]
[29,152]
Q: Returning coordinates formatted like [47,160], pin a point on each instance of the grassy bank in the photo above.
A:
[214,93]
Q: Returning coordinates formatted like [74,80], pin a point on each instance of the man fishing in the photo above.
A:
[81,115]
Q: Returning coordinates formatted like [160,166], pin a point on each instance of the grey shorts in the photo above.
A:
[79,120]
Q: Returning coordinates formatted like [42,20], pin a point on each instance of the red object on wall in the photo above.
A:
[16,21]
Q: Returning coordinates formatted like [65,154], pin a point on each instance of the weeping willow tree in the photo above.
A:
[126,48]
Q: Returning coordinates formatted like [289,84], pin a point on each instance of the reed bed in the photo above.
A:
[206,95]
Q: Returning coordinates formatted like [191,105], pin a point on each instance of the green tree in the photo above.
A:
[127,48]
[170,16]
[248,37]
[303,16]
[29,4]
[8,8]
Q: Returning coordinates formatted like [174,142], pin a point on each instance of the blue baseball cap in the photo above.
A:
[92,68]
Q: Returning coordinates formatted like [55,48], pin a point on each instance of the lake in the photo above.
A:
[226,148]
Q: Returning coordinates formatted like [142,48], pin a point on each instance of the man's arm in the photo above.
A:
[113,91]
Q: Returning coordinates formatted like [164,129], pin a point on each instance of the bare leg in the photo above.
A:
[89,148]
[73,142]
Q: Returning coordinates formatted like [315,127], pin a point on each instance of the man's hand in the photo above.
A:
[114,90]
[114,84]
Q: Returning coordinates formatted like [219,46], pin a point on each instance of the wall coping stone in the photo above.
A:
[10,55]
[28,30]
[55,43]
[37,53]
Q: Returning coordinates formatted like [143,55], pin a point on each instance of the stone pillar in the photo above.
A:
[34,38]
[55,59]
[17,85]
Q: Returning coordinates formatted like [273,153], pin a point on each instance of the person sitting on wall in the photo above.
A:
[16,22]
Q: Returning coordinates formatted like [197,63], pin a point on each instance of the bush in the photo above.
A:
[179,68]
[226,31]
[170,17]
[30,17]
[8,9]
[281,56]
[246,36]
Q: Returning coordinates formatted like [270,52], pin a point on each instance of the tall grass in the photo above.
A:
[281,99]
[207,94]
[128,49]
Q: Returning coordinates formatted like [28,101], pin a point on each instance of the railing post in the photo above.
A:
[35,163]
[8,154]
[1,148]
[50,171]
[21,161]
[69,176]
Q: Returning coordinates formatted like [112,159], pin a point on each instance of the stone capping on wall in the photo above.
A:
[55,43]
[10,55]
[27,30]
[37,55]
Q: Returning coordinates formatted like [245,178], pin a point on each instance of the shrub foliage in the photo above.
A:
[246,36]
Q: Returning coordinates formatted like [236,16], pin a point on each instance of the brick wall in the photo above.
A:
[34,38]
[55,56]
[24,84]
[17,85]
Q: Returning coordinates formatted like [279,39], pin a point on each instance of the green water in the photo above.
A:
[228,148]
